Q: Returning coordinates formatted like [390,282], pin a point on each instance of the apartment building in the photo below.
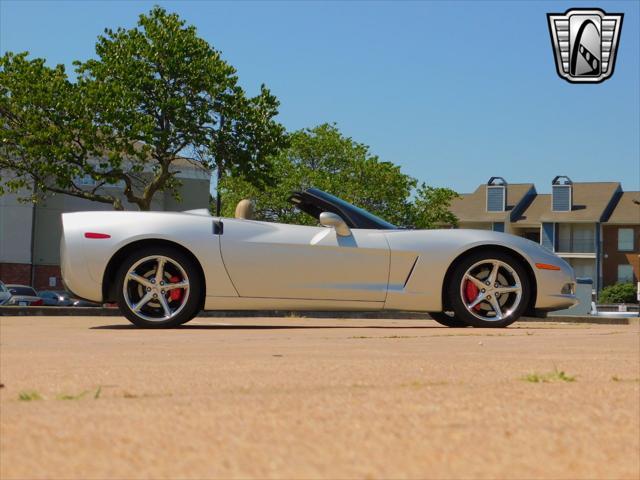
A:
[621,241]
[594,226]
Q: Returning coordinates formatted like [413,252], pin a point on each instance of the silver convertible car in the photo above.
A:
[163,268]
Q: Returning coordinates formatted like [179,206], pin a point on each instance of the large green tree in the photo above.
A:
[243,138]
[322,157]
[154,93]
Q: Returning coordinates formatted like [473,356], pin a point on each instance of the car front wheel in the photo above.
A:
[159,287]
[489,289]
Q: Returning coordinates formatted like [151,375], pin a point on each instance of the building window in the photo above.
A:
[576,238]
[583,268]
[562,194]
[625,239]
[625,273]
[561,198]
[496,199]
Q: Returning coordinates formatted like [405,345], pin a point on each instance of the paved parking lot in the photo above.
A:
[92,397]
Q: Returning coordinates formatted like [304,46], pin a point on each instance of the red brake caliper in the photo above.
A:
[176,293]
[471,292]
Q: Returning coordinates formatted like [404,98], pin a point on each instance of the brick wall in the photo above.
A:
[613,257]
[43,273]
[15,273]
[21,273]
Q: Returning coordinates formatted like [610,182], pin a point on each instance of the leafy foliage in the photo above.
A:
[431,207]
[153,93]
[619,293]
[322,157]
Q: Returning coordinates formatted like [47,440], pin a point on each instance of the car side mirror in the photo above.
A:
[329,219]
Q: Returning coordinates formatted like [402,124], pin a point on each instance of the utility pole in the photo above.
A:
[33,237]
[219,166]
[218,195]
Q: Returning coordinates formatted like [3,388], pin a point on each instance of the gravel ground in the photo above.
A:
[317,398]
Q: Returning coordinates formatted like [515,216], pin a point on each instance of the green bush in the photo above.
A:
[619,293]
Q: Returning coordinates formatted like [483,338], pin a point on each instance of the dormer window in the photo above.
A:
[496,194]
[562,193]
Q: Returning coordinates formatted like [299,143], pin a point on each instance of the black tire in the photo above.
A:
[482,318]
[189,307]
[447,319]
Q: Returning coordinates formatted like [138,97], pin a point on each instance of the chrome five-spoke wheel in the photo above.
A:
[489,289]
[156,288]
[160,287]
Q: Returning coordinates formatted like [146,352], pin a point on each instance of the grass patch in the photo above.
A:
[381,336]
[421,384]
[616,378]
[146,395]
[555,376]
[65,396]
[29,396]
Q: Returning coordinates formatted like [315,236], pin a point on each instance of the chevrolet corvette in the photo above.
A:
[163,268]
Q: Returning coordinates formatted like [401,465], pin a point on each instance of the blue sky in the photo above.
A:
[454,92]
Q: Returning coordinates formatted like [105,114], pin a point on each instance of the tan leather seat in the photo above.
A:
[244,209]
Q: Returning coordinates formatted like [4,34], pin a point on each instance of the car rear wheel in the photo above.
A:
[489,289]
[447,319]
[159,287]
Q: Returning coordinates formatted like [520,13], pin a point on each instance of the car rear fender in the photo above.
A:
[85,257]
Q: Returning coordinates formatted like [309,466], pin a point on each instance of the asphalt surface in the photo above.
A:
[92,397]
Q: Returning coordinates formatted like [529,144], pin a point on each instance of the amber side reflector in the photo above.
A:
[547,266]
[96,235]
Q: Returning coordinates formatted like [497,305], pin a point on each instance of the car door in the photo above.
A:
[273,260]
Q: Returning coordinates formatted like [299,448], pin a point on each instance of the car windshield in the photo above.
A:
[349,207]
[22,291]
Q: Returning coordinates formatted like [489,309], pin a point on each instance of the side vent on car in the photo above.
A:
[218,227]
[410,272]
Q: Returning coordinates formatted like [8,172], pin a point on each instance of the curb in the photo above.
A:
[587,319]
[390,315]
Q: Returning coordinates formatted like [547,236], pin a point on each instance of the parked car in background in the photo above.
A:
[24,296]
[5,295]
[56,298]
